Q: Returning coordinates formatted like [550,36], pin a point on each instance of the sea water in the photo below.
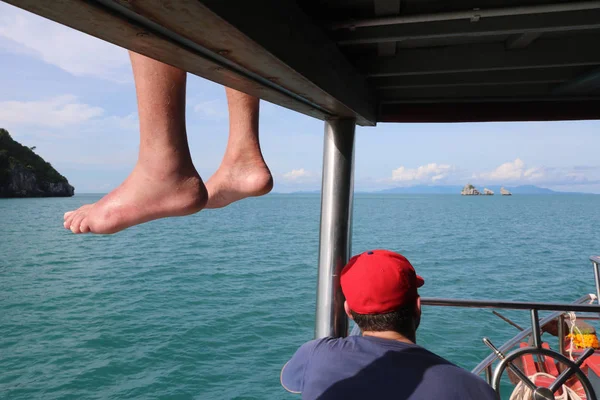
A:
[212,305]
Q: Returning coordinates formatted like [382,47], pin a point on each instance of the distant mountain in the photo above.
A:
[450,189]
[304,192]
[423,189]
[525,189]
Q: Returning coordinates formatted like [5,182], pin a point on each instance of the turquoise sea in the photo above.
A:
[212,305]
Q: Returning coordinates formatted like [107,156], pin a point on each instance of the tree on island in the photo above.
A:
[24,173]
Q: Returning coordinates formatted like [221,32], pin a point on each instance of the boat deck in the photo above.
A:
[369,60]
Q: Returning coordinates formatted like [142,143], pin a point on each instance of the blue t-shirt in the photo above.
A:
[366,367]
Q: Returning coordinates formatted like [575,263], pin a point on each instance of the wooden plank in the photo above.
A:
[290,49]
[514,25]
[214,57]
[544,53]
[101,23]
[491,111]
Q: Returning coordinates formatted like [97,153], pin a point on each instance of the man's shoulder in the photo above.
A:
[330,343]
[313,352]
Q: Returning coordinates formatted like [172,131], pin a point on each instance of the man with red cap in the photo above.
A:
[380,287]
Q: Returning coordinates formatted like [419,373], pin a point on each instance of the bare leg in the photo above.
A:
[243,172]
[164,182]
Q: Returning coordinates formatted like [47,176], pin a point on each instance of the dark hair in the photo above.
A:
[401,320]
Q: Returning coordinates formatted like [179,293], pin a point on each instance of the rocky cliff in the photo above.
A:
[25,174]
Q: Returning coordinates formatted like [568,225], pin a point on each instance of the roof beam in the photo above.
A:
[550,75]
[544,53]
[585,83]
[466,84]
[310,75]
[386,8]
[514,91]
[523,40]
[491,111]
[386,49]
[561,22]
[474,14]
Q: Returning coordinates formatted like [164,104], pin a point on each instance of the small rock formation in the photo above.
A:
[25,174]
[505,192]
[469,190]
[488,192]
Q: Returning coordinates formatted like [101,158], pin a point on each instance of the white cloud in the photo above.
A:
[430,173]
[298,175]
[213,109]
[127,123]
[513,171]
[56,112]
[68,49]
[517,172]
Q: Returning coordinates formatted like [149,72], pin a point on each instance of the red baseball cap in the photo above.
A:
[379,281]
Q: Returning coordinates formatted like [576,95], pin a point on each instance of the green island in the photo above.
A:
[25,174]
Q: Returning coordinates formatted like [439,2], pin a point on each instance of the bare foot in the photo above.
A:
[142,197]
[237,180]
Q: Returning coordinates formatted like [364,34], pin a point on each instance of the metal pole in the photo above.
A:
[596,260]
[536,332]
[336,226]
[561,334]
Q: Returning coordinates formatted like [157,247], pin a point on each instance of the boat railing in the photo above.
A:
[580,305]
[583,304]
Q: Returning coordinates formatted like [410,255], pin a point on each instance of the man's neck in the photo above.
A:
[390,335]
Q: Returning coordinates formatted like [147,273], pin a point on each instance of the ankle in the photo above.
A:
[242,157]
[166,168]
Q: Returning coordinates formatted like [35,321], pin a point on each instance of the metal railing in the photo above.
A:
[512,305]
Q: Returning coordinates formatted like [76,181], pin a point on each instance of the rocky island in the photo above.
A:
[469,190]
[25,174]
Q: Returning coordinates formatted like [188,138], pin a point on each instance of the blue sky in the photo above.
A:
[72,96]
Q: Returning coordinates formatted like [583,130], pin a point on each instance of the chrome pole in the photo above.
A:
[336,226]
[488,374]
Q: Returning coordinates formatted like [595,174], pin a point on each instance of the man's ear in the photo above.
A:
[347,309]
[418,307]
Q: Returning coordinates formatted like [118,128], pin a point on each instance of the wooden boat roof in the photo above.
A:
[373,60]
